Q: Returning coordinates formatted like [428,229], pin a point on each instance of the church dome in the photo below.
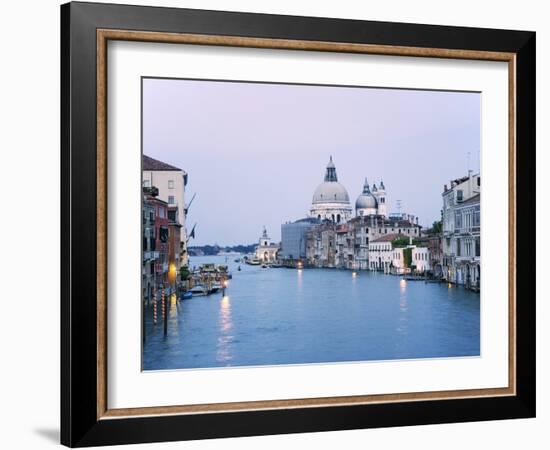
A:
[366,200]
[330,191]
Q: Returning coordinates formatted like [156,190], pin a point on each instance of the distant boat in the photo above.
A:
[186,295]
[199,290]
[238,260]
[215,287]
[253,262]
[265,266]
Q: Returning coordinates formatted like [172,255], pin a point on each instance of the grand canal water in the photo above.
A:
[285,316]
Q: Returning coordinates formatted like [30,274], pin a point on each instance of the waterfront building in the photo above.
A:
[266,251]
[170,182]
[155,240]
[461,231]
[293,240]
[331,199]
[321,246]
[345,248]
[420,259]
[381,252]
[398,262]
[174,239]
[347,245]
[149,254]
[433,240]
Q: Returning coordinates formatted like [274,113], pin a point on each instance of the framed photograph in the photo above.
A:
[277,224]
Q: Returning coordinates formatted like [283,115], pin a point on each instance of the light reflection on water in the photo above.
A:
[225,338]
[288,316]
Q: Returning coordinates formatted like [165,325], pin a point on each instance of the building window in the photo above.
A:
[146,183]
[171,200]
[170,184]
[459,195]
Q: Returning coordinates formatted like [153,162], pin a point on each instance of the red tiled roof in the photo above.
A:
[149,163]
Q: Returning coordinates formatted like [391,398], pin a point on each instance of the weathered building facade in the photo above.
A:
[461,231]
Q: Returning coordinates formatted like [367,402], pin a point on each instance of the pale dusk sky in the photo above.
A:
[254,153]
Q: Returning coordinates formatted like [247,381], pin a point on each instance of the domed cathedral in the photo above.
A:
[330,199]
[371,202]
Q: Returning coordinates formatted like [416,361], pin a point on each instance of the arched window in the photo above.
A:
[338,218]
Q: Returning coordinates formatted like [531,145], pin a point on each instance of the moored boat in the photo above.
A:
[186,295]
[198,290]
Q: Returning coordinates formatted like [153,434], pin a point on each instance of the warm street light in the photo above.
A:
[172,273]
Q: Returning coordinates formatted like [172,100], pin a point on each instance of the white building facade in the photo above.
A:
[381,254]
[461,231]
[421,259]
[266,251]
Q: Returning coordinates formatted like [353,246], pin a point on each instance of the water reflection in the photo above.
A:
[226,325]
[402,326]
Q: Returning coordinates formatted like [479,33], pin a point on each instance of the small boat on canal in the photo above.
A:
[198,290]
[253,262]
[186,295]
[215,288]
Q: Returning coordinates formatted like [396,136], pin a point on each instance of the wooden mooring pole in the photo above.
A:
[165,311]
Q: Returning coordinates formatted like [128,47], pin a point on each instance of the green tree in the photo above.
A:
[407,257]
[437,227]
[184,273]
[400,242]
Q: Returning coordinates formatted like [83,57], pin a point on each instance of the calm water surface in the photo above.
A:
[286,316]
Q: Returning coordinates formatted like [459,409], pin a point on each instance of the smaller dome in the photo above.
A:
[366,200]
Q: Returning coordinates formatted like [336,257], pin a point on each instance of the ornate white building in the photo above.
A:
[331,200]
[266,251]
